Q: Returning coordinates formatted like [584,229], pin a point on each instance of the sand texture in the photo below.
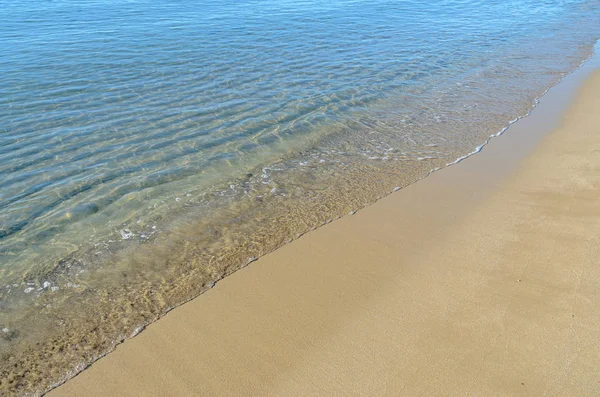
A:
[480,280]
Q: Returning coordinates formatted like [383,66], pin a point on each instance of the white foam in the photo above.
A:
[126,234]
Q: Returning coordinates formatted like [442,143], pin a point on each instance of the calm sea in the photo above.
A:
[150,148]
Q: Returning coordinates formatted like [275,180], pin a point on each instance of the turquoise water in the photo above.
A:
[148,149]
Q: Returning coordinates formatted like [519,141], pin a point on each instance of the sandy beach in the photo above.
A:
[479,280]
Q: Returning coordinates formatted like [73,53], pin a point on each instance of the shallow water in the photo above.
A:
[149,149]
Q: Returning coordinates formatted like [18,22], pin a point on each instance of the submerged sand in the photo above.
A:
[481,280]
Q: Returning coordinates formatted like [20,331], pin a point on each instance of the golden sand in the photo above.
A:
[480,280]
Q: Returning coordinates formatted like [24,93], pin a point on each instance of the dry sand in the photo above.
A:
[480,280]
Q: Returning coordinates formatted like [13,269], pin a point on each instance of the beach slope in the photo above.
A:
[480,280]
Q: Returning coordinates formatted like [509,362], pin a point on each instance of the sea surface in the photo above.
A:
[150,148]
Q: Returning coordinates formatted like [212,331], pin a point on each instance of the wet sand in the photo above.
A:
[479,280]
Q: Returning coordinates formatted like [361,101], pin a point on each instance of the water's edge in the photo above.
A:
[579,71]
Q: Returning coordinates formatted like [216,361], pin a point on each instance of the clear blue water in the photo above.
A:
[150,148]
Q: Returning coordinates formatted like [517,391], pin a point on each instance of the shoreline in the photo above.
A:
[89,340]
[183,262]
[138,176]
[268,336]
